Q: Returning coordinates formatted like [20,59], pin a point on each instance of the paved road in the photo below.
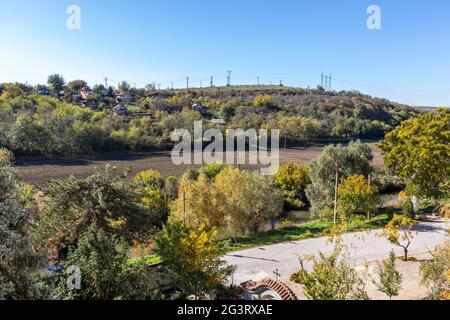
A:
[257,263]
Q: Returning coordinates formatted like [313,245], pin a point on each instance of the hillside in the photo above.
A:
[86,121]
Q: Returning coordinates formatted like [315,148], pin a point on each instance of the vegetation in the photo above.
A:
[192,258]
[419,151]
[105,273]
[237,202]
[18,261]
[102,199]
[353,159]
[32,122]
[389,279]
[331,278]
[356,195]
[399,231]
[303,231]
[435,274]
[292,179]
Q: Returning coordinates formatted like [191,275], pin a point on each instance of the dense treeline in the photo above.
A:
[33,122]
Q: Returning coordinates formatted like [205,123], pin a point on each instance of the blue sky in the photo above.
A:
[161,41]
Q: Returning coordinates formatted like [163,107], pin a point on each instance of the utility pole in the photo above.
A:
[336,193]
[229,78]
[187,83]
[369,181]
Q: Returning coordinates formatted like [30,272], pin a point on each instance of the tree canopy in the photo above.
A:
[419,151]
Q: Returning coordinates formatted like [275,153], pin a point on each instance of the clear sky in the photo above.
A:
[161,41]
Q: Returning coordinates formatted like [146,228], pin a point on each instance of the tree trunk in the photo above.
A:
[405,256]
[416,204]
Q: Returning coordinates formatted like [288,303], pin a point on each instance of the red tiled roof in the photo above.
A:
[279,287]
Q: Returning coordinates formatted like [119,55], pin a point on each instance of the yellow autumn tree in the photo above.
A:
[357,195]
[196,203]
[192,258]
[248,200]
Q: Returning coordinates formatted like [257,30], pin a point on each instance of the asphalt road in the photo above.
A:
[258,263]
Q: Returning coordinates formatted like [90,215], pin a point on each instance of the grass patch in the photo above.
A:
[310,230]
[149,260]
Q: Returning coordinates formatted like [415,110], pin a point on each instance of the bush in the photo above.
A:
[331,278]
[435,274]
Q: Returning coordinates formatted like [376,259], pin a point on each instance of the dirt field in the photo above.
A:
[39,171]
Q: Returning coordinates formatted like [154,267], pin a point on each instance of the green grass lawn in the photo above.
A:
[149,260]
[304,231]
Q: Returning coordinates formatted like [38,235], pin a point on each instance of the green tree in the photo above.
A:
[192,258]
[28,136]
[353,159]
[76,85]
[292,179]
[18,261]
[102,199]
[124,86]
[356,195]
[56,83]
[418,150]
[105,273]
[331,278]
[389,279]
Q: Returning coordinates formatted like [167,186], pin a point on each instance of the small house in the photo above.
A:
[120,110]
[86,93]
[198,107]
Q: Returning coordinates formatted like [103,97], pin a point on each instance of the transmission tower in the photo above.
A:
[106,82]
[229,79]
[321,81]
[257,80]
[187,82]
[329,83]
[212,81]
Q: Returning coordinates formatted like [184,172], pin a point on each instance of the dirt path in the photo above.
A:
[39,171]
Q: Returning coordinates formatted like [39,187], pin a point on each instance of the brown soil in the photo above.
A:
[39,171]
